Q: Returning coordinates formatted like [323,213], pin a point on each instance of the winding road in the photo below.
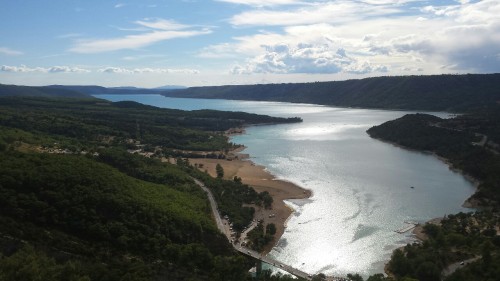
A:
[243,250]
[450,269]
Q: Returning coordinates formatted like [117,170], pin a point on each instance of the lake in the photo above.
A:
[361,186]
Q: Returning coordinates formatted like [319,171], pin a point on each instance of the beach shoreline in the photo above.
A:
[259,178]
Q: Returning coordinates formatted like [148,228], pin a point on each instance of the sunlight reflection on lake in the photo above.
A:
[361,186]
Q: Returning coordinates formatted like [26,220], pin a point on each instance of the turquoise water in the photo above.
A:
[361,186]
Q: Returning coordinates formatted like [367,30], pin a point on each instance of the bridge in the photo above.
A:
[243,250]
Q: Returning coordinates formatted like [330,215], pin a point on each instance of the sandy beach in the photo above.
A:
[261,180]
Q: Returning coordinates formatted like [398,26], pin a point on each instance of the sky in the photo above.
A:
[151,43]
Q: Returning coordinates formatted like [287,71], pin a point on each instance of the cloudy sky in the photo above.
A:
[150,43]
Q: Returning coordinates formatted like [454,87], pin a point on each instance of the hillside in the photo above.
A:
[79,91]
[437,92]
[92,119]
[79,201]
[13,90]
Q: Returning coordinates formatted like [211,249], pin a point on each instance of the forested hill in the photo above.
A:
[13,90]
[91,118]
[78,91]
[436,92]
[98,90]
[79,199]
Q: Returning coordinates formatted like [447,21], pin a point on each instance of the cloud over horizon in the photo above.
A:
[459,37]
[121,70]
[53,69]
[305,58]
[110,69]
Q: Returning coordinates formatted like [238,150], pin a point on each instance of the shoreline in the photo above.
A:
[469,203]
[419,236]
[419,232]
[260,179]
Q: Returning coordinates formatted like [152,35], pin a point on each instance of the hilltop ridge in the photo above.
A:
[432,92]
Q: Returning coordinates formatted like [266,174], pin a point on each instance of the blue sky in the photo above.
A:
[216,42]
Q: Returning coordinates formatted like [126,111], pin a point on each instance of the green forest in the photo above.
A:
[77,205]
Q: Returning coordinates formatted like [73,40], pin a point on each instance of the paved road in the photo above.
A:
[248,252]
[450,269]
[215,212]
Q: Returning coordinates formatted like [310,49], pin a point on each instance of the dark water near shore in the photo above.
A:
[361,186]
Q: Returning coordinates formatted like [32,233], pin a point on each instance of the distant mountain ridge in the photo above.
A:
[80,91]
[99,90]
[434,92]
[457,93]
[169,87]
[13,90]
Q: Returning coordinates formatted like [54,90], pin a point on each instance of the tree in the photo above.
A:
[378,277]
[399,264]
[271,229]
[428,271]
[319,277]
[354,277]
[486,253]
[220,171]
[267,199]
[237,179]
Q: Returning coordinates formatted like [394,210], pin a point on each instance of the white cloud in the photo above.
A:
[66,69]
[9,52]
[391,2]
[159,30]
[53,69]
[224,50]
[463,37]
[111,69]
[441,10]
[120,70]
[412,69]
[22,68]
[328,12]
[262,3]
[120,5]
[303,58]
[162,24]
[69,35]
